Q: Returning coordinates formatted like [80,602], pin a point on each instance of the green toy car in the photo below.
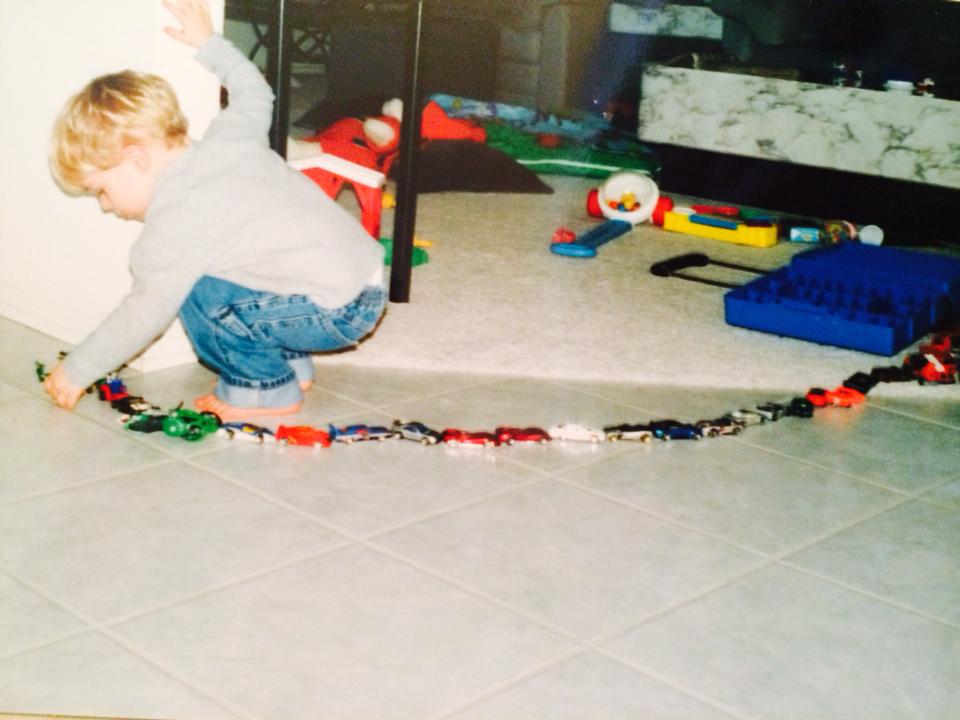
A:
[189,424]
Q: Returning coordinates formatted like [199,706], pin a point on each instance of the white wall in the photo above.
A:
[63,263]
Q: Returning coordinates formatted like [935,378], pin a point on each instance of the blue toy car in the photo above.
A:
[349,433]
[675,430]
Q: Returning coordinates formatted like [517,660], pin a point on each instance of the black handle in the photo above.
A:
[671,267]
[666,268]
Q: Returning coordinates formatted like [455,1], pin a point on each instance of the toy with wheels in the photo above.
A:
[189,424]
[626,199]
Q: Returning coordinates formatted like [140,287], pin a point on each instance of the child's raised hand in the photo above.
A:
[59,387]
[194,18]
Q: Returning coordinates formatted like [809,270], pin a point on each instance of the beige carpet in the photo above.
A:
[493,299]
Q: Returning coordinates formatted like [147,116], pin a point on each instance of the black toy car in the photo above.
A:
[800,407]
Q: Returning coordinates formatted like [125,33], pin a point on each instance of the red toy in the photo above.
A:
[511,435]
[838,397]
[452,436]
[928,368]
[111,389]
[302,435]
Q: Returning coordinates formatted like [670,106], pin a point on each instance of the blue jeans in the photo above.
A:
[260,342]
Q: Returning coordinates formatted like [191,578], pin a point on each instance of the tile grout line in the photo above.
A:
[504,685]
[912,416]
[890,602]
[103,630]
[675,685]
[88,483]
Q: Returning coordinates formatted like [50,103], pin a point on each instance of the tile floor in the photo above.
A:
[807,569]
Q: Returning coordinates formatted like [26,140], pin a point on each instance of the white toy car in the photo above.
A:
[577,432]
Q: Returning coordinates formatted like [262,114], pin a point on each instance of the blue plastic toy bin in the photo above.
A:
[875,299]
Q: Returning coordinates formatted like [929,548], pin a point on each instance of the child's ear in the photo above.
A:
[138,155]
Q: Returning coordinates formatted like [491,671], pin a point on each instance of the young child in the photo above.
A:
[262,267]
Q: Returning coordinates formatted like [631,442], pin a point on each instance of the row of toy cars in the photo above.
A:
[934,362]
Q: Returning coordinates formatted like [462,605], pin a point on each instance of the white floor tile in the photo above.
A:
[884,447]
[138,541]
[740,493]
[910,554]
[27,619]
[93,676]
[580,562]
[780,644]
[589,687]
[352,634]
[46,448]
[371,486]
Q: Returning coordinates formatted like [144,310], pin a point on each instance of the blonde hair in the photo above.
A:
[110,113]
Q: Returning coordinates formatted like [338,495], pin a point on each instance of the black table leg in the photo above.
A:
[279,53]
[405,214]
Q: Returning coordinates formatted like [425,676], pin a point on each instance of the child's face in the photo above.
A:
[124,189]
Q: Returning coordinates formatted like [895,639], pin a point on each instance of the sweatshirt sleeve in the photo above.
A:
[250,111]
[162,281]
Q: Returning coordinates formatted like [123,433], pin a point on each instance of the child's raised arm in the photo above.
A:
[194,18]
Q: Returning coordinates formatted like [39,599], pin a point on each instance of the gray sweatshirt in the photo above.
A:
[231,208]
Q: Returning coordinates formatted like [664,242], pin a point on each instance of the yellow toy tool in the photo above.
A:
[727,229]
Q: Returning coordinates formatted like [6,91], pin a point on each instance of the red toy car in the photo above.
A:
[929,368]
[111,389]
[838,397]
[943,347]
[511,435]
[302,435]
[452,436]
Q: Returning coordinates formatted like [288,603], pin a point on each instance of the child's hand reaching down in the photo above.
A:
[194,18]
[58,386]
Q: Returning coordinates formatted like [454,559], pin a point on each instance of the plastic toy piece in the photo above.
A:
[246,431]
[111,388]
[861,382]
[379,433]
[145,423]
[41,371]
[585,246]
[720,426]
[873,299]
[452,436]
[731,230]
[943,347]
[563,235]
[838,397]
[672,267]
[349,434]
[800,407]
[628,431]
[675,430]
[771,411]
[511,435]
[302,435]
[928,368]
[892,374]
[576,432]
[189,424]
[417,432]
[746,417]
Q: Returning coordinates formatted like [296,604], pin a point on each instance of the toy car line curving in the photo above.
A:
[935,362]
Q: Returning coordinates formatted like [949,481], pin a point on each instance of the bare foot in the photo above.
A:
[227,413]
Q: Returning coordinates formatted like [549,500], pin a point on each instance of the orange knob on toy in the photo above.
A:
[593,203]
